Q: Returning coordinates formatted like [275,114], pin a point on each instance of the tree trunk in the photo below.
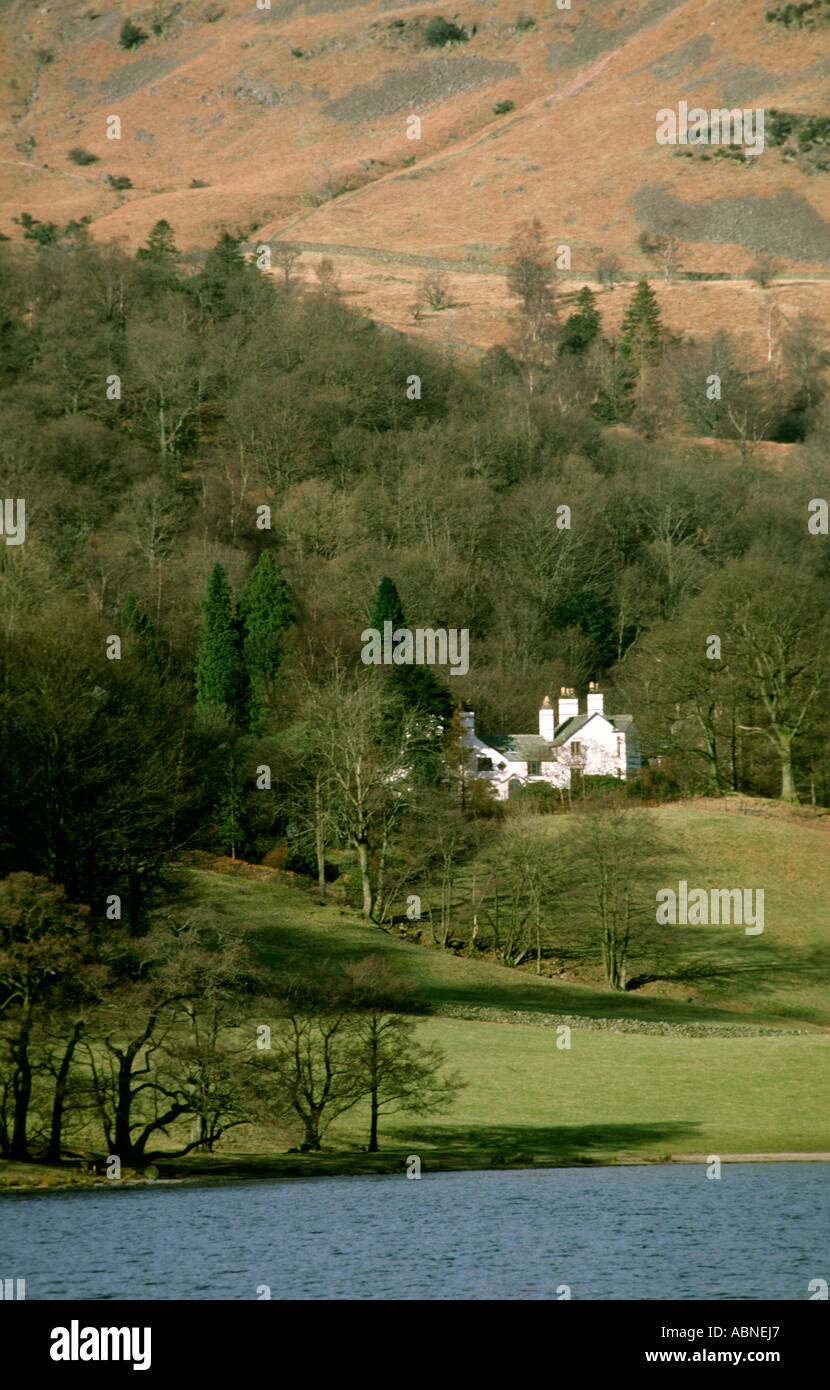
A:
[319,841]
[788,790]
[312,1132]
[22,1086]
[365,878]
[53,1153]
[134,901]
[373,1127]
[538,942]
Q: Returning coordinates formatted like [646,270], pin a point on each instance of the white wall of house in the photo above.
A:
[596,748]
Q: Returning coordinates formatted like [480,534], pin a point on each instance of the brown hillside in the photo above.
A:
[279,110]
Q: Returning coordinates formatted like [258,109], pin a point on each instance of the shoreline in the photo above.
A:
[36,1180]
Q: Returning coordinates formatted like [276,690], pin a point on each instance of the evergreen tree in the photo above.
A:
[226,276]
[218,665]
[641,330]
[265,615]
[142,628]
[160,247]
[416,687]
[387,607]
[231,800]
[582,327]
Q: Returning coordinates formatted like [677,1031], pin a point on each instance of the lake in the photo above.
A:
[643,1232]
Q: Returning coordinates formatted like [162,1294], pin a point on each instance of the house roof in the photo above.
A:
[566,731]
[521,748]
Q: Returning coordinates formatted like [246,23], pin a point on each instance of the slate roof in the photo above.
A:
[618,722]
[522,748]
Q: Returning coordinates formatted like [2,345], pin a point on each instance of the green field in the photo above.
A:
[613,1096]
[780,978]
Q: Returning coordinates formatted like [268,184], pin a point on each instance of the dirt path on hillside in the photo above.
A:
[377,253]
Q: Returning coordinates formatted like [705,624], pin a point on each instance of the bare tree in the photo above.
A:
[664,248]
[310,1070]
[397,1072]
[782,645]
[530,279]
[764,269]
[286,257]
[608,268]
[327,277]
[434,289]
[615,846]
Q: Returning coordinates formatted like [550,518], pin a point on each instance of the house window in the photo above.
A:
[533,769]
[576,748]
[485,764]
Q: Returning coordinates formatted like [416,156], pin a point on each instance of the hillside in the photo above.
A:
[777,979]
[645,1077]
[292,123]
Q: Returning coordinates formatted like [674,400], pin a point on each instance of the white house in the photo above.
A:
[593,743]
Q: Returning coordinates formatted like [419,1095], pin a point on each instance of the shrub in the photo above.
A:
[46,233]
[434,290]
[501,108]
[524,21]
[120,181]
[536,796]
[764,270]
[609,270]
[199,183]
[440,32]
[131,35]
[80,156]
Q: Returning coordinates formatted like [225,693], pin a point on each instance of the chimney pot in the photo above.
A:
[595,701]
[568,704]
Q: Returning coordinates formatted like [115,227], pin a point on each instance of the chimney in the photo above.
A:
[546,721]
[568,704]
[468,724]
[595,699]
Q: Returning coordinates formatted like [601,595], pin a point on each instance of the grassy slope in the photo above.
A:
[612,1095]
[779,978]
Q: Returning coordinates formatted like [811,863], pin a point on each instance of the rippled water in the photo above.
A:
[609,1233]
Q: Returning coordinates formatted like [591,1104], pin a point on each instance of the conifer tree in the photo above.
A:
[218,666]
[231,800]
[265,615]
[641,329]
[141,626]
[221,287]
[416,687]
[160,246]
[387,607]
[582,327]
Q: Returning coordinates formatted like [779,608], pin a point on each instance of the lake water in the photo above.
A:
[761,1231]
